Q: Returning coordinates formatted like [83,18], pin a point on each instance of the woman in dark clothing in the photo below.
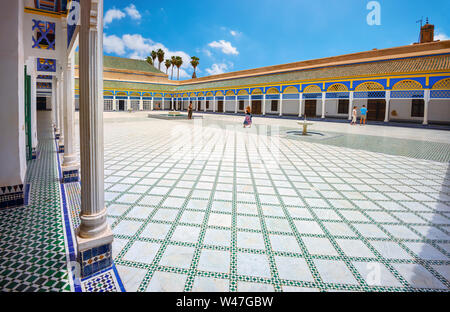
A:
[190,111]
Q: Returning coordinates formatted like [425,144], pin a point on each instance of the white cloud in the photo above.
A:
[137,47]
[235,33]
[217,69]
[111,15]
[133,12]
[207,52]
[441,36]
[224,46]
[113,44]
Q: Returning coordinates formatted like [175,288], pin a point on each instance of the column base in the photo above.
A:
[95,254]
[70,173]
[12,196]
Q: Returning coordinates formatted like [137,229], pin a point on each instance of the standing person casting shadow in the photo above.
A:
[190,111]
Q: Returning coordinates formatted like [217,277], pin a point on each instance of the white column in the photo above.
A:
[204,104]
[114,103]
[281,104]
[236,104]
[57,107]
[128,103]
[34,139]
[151,103]
[323,104]
[388,102]
[426,106]
[162,103]
[264,105]
[141,104]
[54,107]
[70,162]
[214,104]
[300,105]
[350,106]
[94,230]
[171,103]
[61,101]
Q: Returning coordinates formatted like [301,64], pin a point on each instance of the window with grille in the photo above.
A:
[135,105]
[207,104]
[343,106]
[417,108]
[274,105]
[241,105]
[147,104]
[108,105]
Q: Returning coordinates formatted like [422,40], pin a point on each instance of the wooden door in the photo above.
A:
[220,106]
[310,108]
[376,110]
[256,107]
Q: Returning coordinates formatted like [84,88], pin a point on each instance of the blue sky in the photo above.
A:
[236,35]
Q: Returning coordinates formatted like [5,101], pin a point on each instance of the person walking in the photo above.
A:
[354,116]
[363,115]
[190,111]
[248,117]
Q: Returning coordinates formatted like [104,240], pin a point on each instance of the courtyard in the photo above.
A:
[205,205]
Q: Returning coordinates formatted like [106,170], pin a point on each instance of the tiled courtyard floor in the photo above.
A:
[206,205]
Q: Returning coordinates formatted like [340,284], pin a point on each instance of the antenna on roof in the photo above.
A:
[421,24]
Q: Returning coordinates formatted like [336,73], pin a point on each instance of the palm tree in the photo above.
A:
[154,55]
[194,63]
[178,65]
[149,60]
[168,63]
[160,55]
[173,62]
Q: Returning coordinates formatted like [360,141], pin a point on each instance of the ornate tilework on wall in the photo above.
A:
[46,65]
[407,94]
[47,77]
[337,95]
[11,196]
[440,94]
[43,35]
[369,94]
[43,85]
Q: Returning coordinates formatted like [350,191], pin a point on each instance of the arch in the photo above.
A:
[168,95]
[241,92]
[338,87]
[257,92]
[219,93]
[134,94]
[272,91]
[369,86]
[209,93]
[192,94]
[230,93]
[312,89]
[147,94]
[407,85]
[200,94]
[157,95]
[121,94]
[108,93]
[291,90]
[443,84]
[185,95]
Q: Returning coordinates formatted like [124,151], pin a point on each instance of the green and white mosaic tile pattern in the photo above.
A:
[198,206]
[32,247]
